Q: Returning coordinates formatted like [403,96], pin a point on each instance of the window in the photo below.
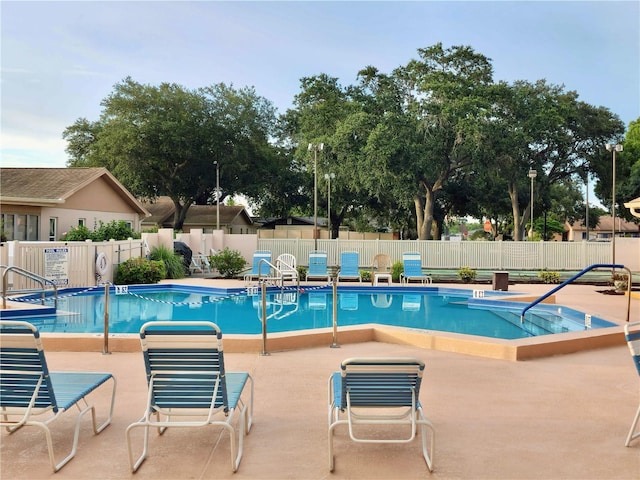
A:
[32,228]
[53,227]
[82,222]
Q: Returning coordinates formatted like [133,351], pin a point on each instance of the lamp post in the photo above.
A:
[328,177]
[613,149]
[532,174]
[315,148]
[217,195]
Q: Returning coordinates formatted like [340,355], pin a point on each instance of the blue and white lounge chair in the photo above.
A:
[31,395]
[379,391]
[349,264]
[317,266]
[632,334]
[412,268]
[186,377]
[260,266]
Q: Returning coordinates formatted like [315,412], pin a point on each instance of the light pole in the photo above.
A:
[613,149]
[217,195]
[315,148]
[328,177]
[532,175]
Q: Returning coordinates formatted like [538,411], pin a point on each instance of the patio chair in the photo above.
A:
[379,391]
[259,268]
[349,266]
[31,395]
[632,334]
[286,263]
[412,269]
[381,269]
[186,377]
[317,265]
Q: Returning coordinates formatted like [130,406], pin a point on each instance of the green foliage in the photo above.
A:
[140,270]
[366,275]
[174,265]
[302,272]
[229,263]
[114,230]
[396,270]
[549,277]
[164,139]
[77,234]
[467,274]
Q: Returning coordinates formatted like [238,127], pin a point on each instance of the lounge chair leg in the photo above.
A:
[145,445]
[631,435]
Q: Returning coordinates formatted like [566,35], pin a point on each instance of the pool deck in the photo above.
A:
[556,417]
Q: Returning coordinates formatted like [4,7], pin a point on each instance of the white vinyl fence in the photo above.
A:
[68,264]
[453,255]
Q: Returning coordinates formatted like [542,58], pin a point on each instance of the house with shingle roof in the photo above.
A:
[233,219]
[42,204]
[603,231]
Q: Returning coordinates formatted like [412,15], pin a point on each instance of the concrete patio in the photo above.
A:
[559,417]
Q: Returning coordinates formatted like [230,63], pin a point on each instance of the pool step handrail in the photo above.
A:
[278,278]
[579,274]
[31,276]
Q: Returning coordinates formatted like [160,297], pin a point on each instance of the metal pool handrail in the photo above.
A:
[579,274]
[31,276]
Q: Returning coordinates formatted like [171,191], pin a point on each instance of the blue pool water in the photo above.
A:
[240,312]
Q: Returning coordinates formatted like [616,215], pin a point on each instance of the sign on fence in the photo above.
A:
[56,265]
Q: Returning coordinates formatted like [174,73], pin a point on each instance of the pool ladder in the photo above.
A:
[579,274]
[43,282]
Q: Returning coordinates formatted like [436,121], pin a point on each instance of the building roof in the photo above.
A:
[53,186]
[272,222]
[606,225]
[162,210]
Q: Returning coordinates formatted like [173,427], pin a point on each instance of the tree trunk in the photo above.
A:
[424,232]
[518,224]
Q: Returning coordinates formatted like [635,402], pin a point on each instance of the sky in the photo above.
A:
[59,60]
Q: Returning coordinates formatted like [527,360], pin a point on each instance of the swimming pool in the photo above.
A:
[238,311]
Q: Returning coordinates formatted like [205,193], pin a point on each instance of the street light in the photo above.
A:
[315,148]
[328,177]
[532,174]
[613,149]
[217,195]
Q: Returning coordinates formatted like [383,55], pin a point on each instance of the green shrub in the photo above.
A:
[302,272]
[173,263]
[366,275]
[549,277]
[467,274]
[114,230]
[229,263]
[140,270]
[397,269]
[77,234]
